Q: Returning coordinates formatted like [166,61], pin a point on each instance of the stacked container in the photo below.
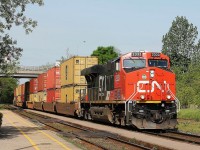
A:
[41,91]
[33,88]
[19,95]
[53,84]
[22,88]
[42,82]
[72,83]
[26,91]
[15,97]
[33,85]
[53,88]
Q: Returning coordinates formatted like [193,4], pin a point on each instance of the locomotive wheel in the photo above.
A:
[122,121]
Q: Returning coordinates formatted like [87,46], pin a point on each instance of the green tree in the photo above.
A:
[179,42]
[7,86]
[196,58]
[12,13]
[105,54]
[187,84]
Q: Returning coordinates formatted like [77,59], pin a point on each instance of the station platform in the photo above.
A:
[17,133]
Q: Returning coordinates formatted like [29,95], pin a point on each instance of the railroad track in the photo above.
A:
[48,121]
[176,135]
[86,135]
[183,137]
[90,138]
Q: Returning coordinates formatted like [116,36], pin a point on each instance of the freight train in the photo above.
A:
[136,89]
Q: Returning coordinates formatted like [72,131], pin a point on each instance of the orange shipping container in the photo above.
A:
[53,95]
[33,86]
[53,78]
[42,82]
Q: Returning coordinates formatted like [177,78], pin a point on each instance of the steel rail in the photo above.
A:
[190,138]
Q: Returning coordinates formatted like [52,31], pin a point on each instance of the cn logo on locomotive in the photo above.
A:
[140,86]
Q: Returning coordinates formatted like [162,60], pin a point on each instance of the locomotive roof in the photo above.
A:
[96,69]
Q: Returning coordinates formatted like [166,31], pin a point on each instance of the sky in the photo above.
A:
[80,26]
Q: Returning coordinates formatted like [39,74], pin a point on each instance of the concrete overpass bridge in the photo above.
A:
[28,71]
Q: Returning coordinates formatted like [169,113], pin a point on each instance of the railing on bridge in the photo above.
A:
[34,68]
[29,71]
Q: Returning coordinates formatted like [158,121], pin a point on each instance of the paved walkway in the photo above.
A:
[18,133]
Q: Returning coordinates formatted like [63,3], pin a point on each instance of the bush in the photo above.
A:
[7,86]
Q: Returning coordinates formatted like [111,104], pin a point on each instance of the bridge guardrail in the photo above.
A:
[34,68]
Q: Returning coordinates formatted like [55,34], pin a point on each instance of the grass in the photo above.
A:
[189,126]
[2,106]
[189,120]
[193,114]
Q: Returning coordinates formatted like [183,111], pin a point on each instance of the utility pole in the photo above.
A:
[67,53]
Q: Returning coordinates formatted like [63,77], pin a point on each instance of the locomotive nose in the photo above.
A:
[158,84]
[155,84]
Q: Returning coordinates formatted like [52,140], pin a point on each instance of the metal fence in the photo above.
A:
[34,68]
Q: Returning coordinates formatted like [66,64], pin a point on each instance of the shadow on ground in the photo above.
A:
[8,132]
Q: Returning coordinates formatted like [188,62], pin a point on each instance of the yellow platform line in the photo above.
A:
[24,134]
[49,136]
[52,138]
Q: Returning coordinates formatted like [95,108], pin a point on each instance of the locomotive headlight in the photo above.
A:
[168,96]
[167,111]
[142,96]
[152,73]
[141,111]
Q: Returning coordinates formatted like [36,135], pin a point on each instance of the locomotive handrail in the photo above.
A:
[176,99]
[134,93]
[91,92]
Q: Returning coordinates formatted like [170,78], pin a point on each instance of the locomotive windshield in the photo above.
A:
[158,63]
[134,63]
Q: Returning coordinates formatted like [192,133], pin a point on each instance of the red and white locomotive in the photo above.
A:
[137,89]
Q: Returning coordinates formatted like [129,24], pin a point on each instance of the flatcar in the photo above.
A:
[136,89]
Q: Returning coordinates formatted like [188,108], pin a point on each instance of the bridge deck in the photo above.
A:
[28,72]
